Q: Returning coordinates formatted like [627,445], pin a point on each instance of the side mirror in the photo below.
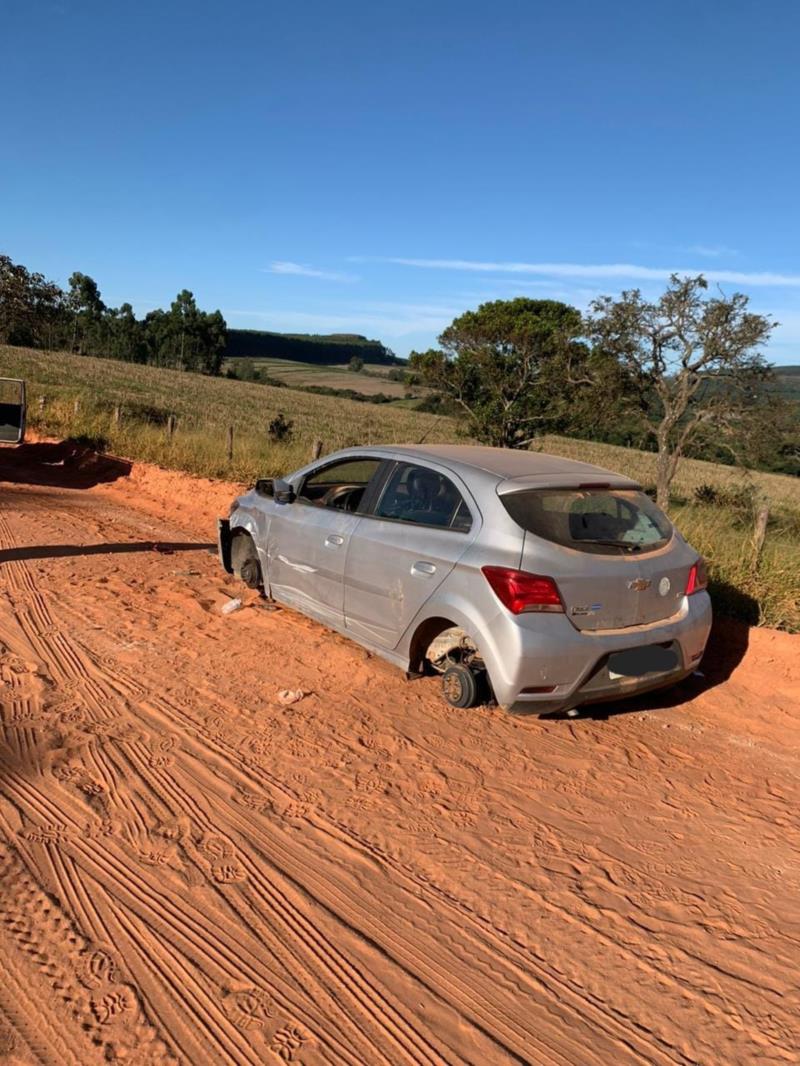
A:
[282,491]
[265,487]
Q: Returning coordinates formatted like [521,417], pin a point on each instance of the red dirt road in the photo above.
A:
[192,872]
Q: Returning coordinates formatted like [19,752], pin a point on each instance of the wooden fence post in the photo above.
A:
[316,450]
[230,444]
[759,535]
[170,427]
[42,402]
[117,415]
[77,405]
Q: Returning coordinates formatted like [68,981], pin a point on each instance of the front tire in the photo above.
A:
[460,686]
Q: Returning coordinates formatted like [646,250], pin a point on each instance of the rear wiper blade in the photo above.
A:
[629,545]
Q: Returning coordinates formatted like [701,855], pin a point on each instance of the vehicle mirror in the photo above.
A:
[265,486]
[282,491]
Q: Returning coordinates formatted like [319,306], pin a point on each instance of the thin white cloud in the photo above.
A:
[714,251]
[298,270]
[615,271]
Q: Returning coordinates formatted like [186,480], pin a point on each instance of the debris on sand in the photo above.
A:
[288,696]
[231,606]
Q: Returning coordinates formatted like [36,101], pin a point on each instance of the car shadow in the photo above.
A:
[70,464]
[727,646]
[60,551]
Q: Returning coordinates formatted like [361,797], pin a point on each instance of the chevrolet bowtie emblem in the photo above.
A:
[639,584]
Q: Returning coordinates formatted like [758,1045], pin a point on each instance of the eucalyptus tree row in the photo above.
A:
[38,313]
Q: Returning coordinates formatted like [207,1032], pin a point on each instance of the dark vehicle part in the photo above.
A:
[244,560]
[224,544]
[12,411]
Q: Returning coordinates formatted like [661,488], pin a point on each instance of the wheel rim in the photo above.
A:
[250,572]
[452,687]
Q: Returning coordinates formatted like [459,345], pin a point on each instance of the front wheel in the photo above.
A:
[461,686]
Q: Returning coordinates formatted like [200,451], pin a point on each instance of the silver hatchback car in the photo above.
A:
[544,582]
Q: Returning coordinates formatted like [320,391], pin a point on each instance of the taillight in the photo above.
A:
[698,578]
[520,591]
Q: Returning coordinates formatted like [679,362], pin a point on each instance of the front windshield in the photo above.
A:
[594,520]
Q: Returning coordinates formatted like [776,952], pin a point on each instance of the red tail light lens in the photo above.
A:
[698,578]
[520,591]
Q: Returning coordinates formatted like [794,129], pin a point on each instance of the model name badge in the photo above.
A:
[588,609]
[639,584]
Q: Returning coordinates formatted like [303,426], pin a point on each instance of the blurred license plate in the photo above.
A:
[636,662]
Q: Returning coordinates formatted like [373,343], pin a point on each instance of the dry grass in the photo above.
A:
[205,407]
[332,377]
[778,489]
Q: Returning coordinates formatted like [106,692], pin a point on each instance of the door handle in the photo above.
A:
[423,569]
[333,540]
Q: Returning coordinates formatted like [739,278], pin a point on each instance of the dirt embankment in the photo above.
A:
[193,871]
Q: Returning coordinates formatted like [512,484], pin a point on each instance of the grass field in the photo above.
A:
[335,377]
[370,382]
[206,407]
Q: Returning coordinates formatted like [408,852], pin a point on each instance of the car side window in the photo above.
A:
[419,494]
[340,486]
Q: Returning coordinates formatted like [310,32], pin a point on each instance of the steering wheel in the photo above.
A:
[338,496]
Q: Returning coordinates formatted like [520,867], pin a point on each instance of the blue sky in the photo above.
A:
[380,168]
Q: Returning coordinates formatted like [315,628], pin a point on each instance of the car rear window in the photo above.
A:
[604,521]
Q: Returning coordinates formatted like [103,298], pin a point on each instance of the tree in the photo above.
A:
[356,364]
[125,335]
[88,310]
[245,369]
[185,337]
[504,367]
[30,306]
[693,360]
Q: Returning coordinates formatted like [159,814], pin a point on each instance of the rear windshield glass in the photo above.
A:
[592,520]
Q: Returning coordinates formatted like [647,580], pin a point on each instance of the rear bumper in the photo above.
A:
[546,652]
[224,544]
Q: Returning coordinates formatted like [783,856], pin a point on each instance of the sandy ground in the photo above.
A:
[192,872]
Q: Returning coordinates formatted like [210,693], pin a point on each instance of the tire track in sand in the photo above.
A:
[503,933]
[67,662]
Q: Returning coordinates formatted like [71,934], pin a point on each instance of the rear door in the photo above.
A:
[309,539]
[420,526]
[12,411]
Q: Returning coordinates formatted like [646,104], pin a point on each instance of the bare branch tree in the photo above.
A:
[695,359]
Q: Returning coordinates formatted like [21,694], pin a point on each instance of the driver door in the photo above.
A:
[12,411]
[309,538]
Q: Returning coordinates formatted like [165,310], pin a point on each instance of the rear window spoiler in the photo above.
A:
[604,480]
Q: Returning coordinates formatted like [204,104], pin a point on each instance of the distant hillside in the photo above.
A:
[306,348]
[788,384]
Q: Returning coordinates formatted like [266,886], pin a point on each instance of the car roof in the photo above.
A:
[503,463]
